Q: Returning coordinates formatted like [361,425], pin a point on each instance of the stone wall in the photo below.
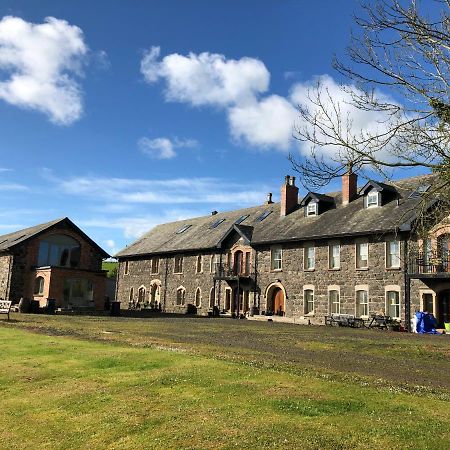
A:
[5,267]
[293,278]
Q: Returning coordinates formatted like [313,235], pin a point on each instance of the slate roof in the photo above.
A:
[343,220]
[10,240]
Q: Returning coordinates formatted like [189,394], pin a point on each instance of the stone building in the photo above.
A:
[52,260]
[343,252]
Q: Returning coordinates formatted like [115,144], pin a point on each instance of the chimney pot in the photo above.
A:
[269,198]
[213,213]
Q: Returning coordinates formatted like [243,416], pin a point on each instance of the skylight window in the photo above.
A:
[263,216]
[419,191]
[241,219]
[183,229]
[20,237]
[216,224]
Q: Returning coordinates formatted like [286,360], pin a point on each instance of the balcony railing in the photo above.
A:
[225,271]
[429,263]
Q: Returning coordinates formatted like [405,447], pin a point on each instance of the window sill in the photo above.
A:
[276,270]
[394,268]
[309,270]
[178,273]
[334,269]
[361,268]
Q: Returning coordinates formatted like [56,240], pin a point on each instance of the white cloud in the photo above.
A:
[40,61]
[164,148]
[13,187]
[267,123]
[206,78]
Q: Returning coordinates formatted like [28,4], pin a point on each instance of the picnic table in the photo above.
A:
[379,321]
[344,320]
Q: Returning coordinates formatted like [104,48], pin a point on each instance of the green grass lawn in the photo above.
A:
[116,383]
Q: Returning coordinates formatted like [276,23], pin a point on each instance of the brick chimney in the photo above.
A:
[289,196]
[349,185]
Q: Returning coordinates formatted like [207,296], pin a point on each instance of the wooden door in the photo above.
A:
[279,307]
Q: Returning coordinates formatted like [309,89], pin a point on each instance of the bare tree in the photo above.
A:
[399,73]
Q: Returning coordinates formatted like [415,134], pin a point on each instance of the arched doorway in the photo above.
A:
[276,300]
[141,296]
[443,308]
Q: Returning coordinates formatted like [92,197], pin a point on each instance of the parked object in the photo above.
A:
[34,306]
[447,328]
[24,305]
[5,307]
[425,323]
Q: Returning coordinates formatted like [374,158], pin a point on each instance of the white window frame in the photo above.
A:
[391,256]
[371,195]
[331,246]
[308,258]
[358,304]
[389,290]
[311,209]
[126,269]
[331,302]
[358,246]
[308,311]
[276,263]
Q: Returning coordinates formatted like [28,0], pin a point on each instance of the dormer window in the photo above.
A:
[372,199]
[311,209]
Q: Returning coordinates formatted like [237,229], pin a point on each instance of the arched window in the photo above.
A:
[141,295]
[198,298]
[39,286]
[59,250]
[181,296]
[131,297]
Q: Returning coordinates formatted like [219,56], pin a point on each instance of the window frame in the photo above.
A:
[199,264]
[311,211]
[39,292]
[358,303]
[388,254]
[126,269]
[154,264]
[358,245]
[198,293]
[306,302]
[182,301]
[276,267]
[372,193]
[306,257]
[398,305]
[332,245]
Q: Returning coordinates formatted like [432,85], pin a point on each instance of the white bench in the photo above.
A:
[5,307]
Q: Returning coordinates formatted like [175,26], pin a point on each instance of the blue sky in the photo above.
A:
[122,115]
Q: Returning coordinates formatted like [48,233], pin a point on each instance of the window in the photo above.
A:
[215,264]
[311,209]
[393,304]
[39,286]
[199,264]
[183,229]
[127,267]
[310,257]
[247,263]
[198,298]
[241,219]
[178,264]
[78,292]
[362,304]
[216,224]
[59,250]
[427,247]
[308,295]
[131,296]
[263,216]
[155,265]
[141,295]
[362,255]
[227,305]
[393,254]
[334,256]
[372,199]
[427,302]
[334,301]
[275,258]
[181,296]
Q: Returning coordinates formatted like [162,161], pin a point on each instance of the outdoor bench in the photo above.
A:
[5,307]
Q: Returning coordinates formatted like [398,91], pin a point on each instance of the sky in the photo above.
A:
[123,115]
